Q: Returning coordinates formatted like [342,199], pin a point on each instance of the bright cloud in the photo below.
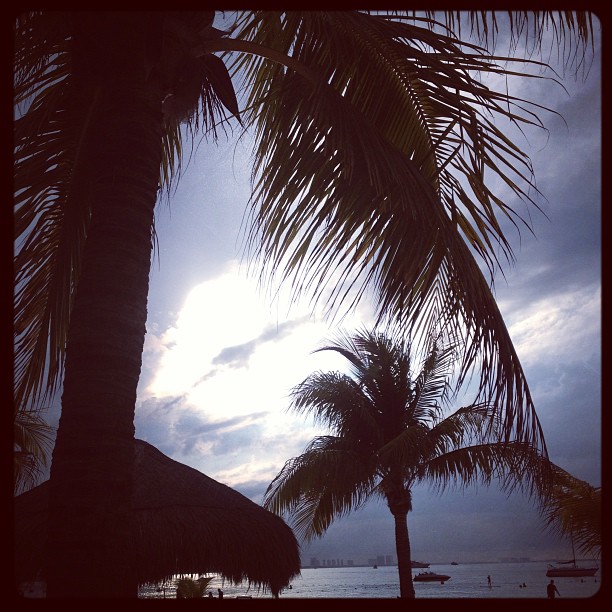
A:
[225,333]
[558,326]
[218,391]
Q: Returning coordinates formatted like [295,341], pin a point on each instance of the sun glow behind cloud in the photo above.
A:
[221,377]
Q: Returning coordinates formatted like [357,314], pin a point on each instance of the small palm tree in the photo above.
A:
[389,433]
[188,588]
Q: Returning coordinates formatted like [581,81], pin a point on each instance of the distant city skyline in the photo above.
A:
[389,560]
[381,560]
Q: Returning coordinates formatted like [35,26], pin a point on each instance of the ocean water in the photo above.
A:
[466,581]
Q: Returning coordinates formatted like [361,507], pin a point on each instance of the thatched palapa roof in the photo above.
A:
[183,523]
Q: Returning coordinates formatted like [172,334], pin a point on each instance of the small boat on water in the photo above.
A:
[419,564]
[431,577]
[569,569]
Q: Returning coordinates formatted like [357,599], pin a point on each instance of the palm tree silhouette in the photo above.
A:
[389,432]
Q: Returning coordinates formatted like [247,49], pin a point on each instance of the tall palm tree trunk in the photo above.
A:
[88,548]
[404,555]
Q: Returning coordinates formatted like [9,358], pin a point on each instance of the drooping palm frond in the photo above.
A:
[514,465]
[575,510]
[468,446]
[54,159]
[49,237]
[567,34]
[329,480]
[402,138]
[32,443]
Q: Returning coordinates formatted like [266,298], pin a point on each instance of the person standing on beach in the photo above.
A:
[489,581]
[552,590]
[220,593]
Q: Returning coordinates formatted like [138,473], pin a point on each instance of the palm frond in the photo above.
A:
[51,212]
[366,194]
[571,32]
[432,389]
[379,367]
[324,483]
[407,449]
[188,588]
[335,400]
[575,510]
[515,465]
[476,421]
[32,444]
[568,35]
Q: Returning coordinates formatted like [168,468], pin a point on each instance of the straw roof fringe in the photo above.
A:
[183,523]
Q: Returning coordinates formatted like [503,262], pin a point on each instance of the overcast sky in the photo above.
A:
[221,357]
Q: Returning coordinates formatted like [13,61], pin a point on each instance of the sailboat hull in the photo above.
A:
[571,572]
[569,569]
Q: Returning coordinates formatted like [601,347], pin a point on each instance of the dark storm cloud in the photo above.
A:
[569,407]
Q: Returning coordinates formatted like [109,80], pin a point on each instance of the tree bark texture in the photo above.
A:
[404,562]
[88,548]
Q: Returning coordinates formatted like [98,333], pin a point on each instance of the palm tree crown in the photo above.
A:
[389,432]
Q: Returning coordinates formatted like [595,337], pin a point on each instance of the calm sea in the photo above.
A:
[466,581]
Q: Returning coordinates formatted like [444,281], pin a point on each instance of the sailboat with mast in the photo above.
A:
[569,569]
